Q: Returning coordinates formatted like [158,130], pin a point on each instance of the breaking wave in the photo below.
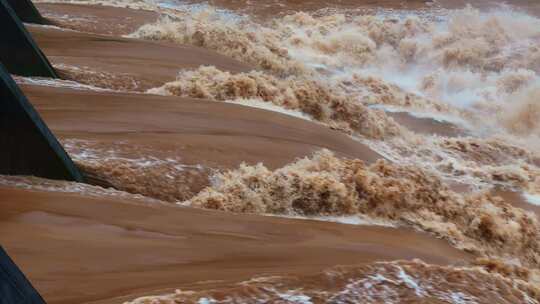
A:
[309,96]
[47,185]
[326,185]
[479,68]
[388,282]
[479,163]
[99,79]
[57,83]
[522,115]
[466,61]
[138,169]
[133,4]
[236,37]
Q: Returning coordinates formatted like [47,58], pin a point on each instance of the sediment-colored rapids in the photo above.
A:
[166,148]
[224,138]
[395,282]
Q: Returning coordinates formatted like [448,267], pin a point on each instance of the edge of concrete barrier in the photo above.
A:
[28,146]
[27,11]
[18,50]
[15,288]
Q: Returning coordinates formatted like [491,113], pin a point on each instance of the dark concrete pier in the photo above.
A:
[28,146]
[18,51]
[14,286]
[26,11]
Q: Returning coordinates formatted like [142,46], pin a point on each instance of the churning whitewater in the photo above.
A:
[476,69]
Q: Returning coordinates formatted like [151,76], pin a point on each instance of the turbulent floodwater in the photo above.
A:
[477,70]
[396,282]
[349,69]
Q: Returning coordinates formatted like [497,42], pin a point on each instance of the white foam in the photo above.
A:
[461,87]
[134,4]
[259,104]
[293,297]
[411,282]
[84,152]
[44,185]
[206,301]
[360,220]
[461,298]
[58,83]
[533,199]
[48,26]
[439,117]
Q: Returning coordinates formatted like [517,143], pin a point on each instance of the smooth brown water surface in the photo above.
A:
[78,250]
[193,132]
[97,19]
[426,125]
[121,63]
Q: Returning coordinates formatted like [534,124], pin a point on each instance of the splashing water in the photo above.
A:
[476,68]
[391,282]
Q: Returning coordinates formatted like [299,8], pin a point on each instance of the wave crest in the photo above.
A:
[310,96]
[328,185]
[385,282]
